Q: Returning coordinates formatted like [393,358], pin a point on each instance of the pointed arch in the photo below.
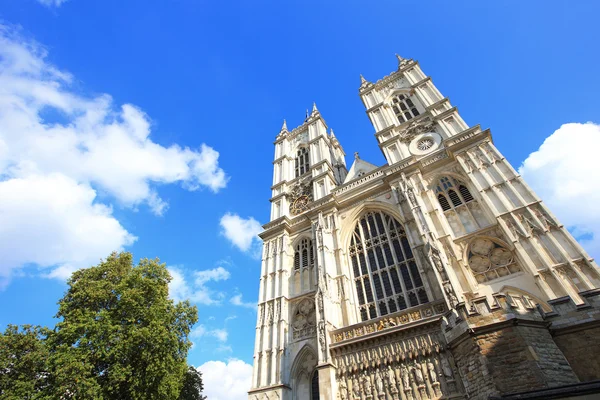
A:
[543,304]
[383,265]
[459,203]
[347,228]
[301,373]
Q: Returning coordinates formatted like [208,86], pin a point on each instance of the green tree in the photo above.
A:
[120,337]
[192,385]
[23,363]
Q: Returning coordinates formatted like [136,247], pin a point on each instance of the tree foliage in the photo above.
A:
[23,363]
[192,385]
[119,337]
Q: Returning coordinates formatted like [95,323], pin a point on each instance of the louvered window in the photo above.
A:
[404,108]
[459,206]
[304,257]
[302,161]
[385,271]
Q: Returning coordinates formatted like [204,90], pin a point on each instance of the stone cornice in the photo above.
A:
[391,323]
[388,78]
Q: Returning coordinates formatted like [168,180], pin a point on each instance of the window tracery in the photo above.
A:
[304,322]
[461,209]
[489,260]
[302,161]
[304,262]
[404,108]
[385,271]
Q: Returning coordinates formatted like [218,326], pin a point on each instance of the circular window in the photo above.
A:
[425,143]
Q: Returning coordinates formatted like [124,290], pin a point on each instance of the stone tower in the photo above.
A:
[437,275]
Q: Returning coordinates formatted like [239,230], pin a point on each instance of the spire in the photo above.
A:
[284,126]
[314,107]
[401,61]
[363,82]
[306,119]
[331,134]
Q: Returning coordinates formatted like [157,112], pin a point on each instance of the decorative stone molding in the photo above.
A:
[391,321]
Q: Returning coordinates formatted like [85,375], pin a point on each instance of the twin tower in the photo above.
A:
[440,274]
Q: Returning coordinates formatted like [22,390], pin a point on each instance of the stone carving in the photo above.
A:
[405,377]
[488,259]
[529,225]
[418,373]
[301,188]
[390,376]
[367,384]
[387,323]
[516,231]
[379,383]
[270,314]
[304,320]
[415,128]
[343,390]
[450,294]
[545,219]
[356,388]
[432,372]
[322,341]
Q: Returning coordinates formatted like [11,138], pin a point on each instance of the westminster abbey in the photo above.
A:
[439,275]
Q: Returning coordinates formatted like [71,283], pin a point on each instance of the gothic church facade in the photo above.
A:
[440,274]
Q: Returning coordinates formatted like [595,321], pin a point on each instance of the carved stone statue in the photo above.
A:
[343,390]
[432,372]
[355,388]
[450,293]
[416,369]
[379,383]
[367,384]
[405,377]
[390,377]
[322,341]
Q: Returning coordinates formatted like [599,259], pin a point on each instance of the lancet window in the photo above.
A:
[302,161]
[304,262]
[460,208]
[385,272]
[314,386]
[404,108]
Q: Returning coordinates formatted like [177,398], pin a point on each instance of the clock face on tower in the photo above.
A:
[299,205]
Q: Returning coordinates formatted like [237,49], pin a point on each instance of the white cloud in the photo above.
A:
[237,301]
[53,221]
[195,289]
[564,173]
[51,3]
[243,233]
[226,381]
[50,132]
[201,331]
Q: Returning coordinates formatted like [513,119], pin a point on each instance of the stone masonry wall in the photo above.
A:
[582,350]
[576,331]
[507,346]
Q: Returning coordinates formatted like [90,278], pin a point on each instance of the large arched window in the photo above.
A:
[304,262]
[404,108]
[302,161]
[385,272]
[462,211]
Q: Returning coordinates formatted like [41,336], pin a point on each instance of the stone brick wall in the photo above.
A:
[507,346]
[576,331]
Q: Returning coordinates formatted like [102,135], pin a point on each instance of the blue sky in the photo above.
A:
[216,77]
